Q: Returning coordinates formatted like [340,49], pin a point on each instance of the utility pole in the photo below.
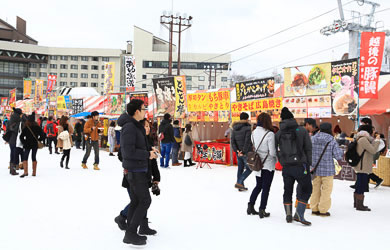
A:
[169,21]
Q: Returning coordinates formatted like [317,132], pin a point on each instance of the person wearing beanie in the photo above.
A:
[14,129]
[91,135]
[242,143]
[323,169]
[31,134]
[294,151]
[166,135]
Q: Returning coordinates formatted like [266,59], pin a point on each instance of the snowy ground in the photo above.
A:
[197,209]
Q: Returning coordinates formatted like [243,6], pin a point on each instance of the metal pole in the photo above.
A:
[170,46]
[215,78]
[178,54]
[230,134]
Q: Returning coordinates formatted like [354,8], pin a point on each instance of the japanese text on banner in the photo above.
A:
[180,86]
[255,105]
[209,101]
[27,84]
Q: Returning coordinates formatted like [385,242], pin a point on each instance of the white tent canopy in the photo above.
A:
[79,92]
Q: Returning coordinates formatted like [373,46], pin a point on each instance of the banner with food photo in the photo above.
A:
[115,103]
[255,89]
[345,87]
[319,107]
[308,80]
[165,92]
[297,106]
[209,101]
[141,96]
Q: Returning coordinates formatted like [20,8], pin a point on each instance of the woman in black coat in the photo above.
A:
[31,134]
[154,179]
[78,131]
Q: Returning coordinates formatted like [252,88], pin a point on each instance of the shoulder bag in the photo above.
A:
[319,160]
[254,159]
[40,144]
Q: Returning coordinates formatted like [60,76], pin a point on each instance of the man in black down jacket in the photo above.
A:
[294,151]
[166,144]
[135,157]
[13,127]
[242,143]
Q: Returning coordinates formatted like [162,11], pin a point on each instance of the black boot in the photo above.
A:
[288,209]
[121,221]
[263,213]
[186,163]
[134,239]
[251,209]
[191,164]
[144,228]
[300,212]
[62,163]
[12,169]
[360,203]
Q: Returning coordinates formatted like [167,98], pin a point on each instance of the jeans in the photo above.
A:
[112,147]
[175,153]
[95,146]
[78,144]
[361,183]
[15,153]
[26,153]
[140,199]
[165,153]
[300,174]
[262,183]
[243,170]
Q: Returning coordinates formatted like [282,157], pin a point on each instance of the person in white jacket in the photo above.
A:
[263,139]
[111,137]
[64,136]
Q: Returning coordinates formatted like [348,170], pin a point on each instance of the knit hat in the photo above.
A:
[286,114]
[18,111]
[31,118]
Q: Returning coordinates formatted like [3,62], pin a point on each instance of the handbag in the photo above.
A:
[319,160]
[40,144]
[7,136]
[187,140]
[254,159]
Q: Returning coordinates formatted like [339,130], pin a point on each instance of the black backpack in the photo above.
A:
[351,156]
[290,152]
[187,140]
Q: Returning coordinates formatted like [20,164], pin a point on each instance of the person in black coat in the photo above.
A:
[166,129]
[135,160]
[14,127]
[31,134]
[78,131]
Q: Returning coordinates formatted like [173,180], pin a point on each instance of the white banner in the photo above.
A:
[130,73]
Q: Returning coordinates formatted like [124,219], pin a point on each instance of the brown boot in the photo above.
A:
[360,203]
[12,169]
[21,166]
[34,167]
[25,168]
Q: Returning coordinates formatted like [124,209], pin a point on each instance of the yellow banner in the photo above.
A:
[12,98]
[109,77]
[180,96]
[27,84]
[257,105]
[38,98]
[209,101]
[61,104]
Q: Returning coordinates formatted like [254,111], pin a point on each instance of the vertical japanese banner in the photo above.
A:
[109,77]
[38,91]
[4,101]
[51,82]
[27,83]
[130,73]
[12,98]
[371,53]
[180,87]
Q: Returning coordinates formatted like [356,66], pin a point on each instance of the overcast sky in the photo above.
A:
[218,27]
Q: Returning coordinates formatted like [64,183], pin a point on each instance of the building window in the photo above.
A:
[95,76]
[42,74]
[33,65]
[73,75]
[63,84]
[189,87]
[95,67]
[74,66]
[224,87]
[201,78]
[102,93]
[34,74]
[212,78]
[102,85]
[63,66]
[144,77]
[43,65]
[83,84]
[52,73]
[64,58]
[188,78]
[223,79]
[65,75]
[73,84]
[53,66]
[96,59]
[84,66]
[144,85]
[94,84]
[102,67]
[105,59]
[84,75]
[102,76]
[53,57]
[201,87]
[84,58]
[74,58]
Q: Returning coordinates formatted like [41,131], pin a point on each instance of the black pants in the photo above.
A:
[302,176]
[26,153]
[67,155]
[78,143]
[49,141]
[263,183]
[139,199]
[373,177]
[95,146]
[362,181]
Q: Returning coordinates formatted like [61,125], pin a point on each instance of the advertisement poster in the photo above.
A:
[255,89]
[12,98]
[180,94]
[130,73]
[165,92]
[38,97]
[4,101]
[142,96]
[212,153]
[77,106]
[109,77]
[115,104]
[309,107]
[257,105]
[371,54]
[209,101]
[308,80]
[61,103]
[51,83]
[345,84]
[27,85]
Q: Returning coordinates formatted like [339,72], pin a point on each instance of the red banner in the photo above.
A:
[371,54]
[51,82]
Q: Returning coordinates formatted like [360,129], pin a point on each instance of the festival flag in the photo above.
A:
[180,95]
[51,82]
[38,98]
[109,77]
[12,98]
[27,84]
[130,73]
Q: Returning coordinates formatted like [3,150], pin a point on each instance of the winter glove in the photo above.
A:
[155,189]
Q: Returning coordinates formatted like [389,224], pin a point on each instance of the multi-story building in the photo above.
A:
[203,71]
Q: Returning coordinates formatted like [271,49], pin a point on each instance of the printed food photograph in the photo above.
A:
[299,84]
[316,76]
[344,95]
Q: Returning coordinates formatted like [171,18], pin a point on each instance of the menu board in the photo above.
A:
[309,107]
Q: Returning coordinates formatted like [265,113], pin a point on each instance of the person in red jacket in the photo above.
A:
[51,132]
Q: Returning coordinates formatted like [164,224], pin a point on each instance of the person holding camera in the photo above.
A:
[91,131]
[136,157]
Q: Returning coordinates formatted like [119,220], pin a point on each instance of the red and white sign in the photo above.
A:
[51,82]
[371,54]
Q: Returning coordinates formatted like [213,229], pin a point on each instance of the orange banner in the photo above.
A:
[209,101]
[27,83]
